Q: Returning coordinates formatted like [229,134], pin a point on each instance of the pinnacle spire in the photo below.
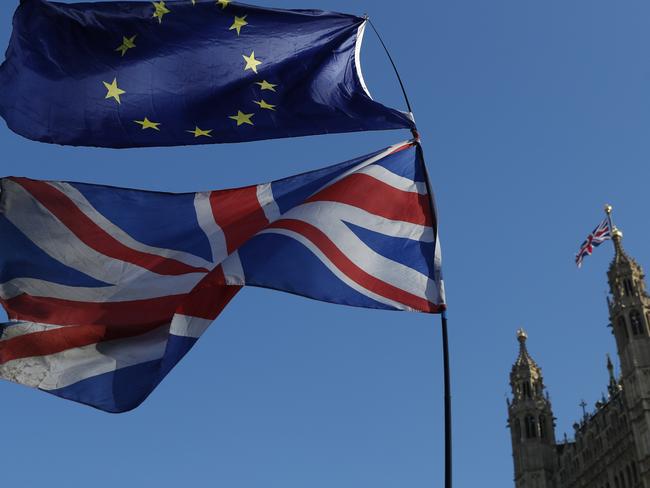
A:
[617,237]
[612,387]
[524,358]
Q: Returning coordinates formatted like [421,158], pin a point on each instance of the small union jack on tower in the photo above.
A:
[602,233]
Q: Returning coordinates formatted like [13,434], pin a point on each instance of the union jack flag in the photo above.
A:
[600,234]
[107,288]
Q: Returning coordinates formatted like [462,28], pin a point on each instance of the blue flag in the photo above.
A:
[166,73]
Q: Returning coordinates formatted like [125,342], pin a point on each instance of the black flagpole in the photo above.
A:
[445,358]
[443,315]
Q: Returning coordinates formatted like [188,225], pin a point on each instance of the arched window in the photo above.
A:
[623,326]
[531,428]
[526,389]
[627,284]
[542,427]
[635,322]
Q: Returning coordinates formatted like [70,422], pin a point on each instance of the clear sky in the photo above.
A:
[533,115]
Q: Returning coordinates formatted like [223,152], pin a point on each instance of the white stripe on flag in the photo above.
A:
[208,224]
[233,271]
[396,181]
[267,202]
[188,326]
[73,365]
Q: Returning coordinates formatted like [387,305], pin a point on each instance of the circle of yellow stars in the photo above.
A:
[251,63]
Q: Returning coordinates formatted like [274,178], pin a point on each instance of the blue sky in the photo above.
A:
[533,115]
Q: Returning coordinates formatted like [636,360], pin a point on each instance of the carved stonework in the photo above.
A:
[611,443]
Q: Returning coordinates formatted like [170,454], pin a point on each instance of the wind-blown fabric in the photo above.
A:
[166,73]
[600,234]
[107,288]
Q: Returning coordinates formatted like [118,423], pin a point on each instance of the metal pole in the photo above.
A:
[445,357]
[390,58]
[608,211]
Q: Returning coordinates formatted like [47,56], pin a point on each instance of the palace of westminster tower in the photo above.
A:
[611,448]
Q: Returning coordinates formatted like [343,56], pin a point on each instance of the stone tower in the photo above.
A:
[629,312]
[531,423]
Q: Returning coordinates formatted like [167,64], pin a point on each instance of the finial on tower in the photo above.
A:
[617,237]
[608,209]
[521,335]
[524,358]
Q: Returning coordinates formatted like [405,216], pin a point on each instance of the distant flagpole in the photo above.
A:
[608,211]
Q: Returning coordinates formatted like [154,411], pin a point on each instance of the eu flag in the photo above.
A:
[166,73]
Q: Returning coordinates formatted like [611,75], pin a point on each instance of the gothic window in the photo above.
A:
[542,427]
[526,389]
[627,284]
[623,326]
[634,472]
[531,428]
[635,322]
[617,483]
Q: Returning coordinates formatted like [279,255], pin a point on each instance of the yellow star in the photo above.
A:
[265,85]
[223,3]
[265,105]
[242,118]
[113,90]
[200,132]
[161,10]
[238,23]
[251,62]
[127,43]
[147,124]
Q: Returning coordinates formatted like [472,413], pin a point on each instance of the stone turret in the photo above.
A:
[531,423]
[629,312]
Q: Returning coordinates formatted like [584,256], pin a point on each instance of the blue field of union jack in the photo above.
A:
[107,288]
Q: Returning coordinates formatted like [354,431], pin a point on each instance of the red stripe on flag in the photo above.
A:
[97,238]
[58,340]
[209,297]
[378,198]
[239,214]
[67,312]
[355,273]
